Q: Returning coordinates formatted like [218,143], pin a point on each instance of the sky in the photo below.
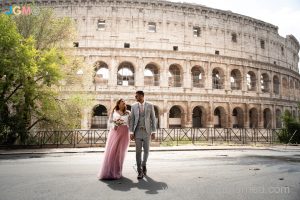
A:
[282,13]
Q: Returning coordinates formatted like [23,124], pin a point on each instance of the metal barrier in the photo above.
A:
[174,136]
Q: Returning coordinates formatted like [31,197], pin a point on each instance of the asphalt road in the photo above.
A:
[210,174]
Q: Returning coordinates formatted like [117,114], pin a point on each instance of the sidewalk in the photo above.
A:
[166,148]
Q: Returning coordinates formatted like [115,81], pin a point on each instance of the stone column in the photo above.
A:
[208,79]
[227,85]
[261,116]
[258,90]
[113,71]
[210,115]
[139,75]
[165,115]
[189,117]
[229,123]
[246,116]
[164,74]
[187,82]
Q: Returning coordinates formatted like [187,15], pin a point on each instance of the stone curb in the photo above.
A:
[152,149]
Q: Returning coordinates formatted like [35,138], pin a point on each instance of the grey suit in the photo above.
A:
[142,124]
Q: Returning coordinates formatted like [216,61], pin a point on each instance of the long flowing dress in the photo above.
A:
[115,150]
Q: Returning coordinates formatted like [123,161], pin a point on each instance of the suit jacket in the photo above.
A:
[150,122]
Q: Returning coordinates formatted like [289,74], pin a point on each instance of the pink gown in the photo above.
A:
[116,147]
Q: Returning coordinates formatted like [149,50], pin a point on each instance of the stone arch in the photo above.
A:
[220,119]
[99,117]
[198,76]
[101,73]
[176,115]
[175,75]
[126,74]
[151,75]
[267,118]
[237,118]
[251,81]
[218,78]
[235,79]
[199,117]
[253,117]
[265,82]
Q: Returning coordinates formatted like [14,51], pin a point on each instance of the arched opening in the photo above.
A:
[278,119]
[175,116]
[198,117]
[218,78]
[267,118]
[125,74]
[198,77]
[219,117]
[264,80]
[253,116]
[151,75]
[175,79]
[251,81]
[99,118]
[101,73]
[276,84]
[235,80]
[237,118]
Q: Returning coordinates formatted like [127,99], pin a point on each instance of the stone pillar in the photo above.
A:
[164,74]
[271,86]
[246,117]
[187,79]
[273,115]
[261,116]
[165,115]
[244,79]
[189,117]
[210,115]
[229,123]
[139,75]
[113,71]
[208,80]
[227,83]
[258,82]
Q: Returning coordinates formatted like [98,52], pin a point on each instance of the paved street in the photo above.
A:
[208,174]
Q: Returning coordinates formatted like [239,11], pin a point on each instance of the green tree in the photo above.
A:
[32,64]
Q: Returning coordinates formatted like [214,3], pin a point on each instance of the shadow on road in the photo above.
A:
[124,184]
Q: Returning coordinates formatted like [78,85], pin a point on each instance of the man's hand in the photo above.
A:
[131,136]
[152,136]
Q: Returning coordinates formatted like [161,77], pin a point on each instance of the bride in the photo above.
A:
[117,143]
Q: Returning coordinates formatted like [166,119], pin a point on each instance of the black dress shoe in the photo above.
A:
[144,170]
[140,175]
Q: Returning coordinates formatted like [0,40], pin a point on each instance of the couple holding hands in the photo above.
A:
[138,125]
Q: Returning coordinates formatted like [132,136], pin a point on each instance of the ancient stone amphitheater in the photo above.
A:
[199,66]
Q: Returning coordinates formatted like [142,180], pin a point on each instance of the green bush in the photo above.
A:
[290,126]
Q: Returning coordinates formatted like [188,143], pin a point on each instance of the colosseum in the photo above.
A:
[199,66]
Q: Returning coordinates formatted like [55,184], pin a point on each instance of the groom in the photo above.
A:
[142,127]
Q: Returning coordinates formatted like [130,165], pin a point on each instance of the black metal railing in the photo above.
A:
[164,136]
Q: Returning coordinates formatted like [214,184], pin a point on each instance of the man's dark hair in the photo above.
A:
[140,92]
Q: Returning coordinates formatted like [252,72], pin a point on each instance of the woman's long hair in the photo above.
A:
[117,106]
